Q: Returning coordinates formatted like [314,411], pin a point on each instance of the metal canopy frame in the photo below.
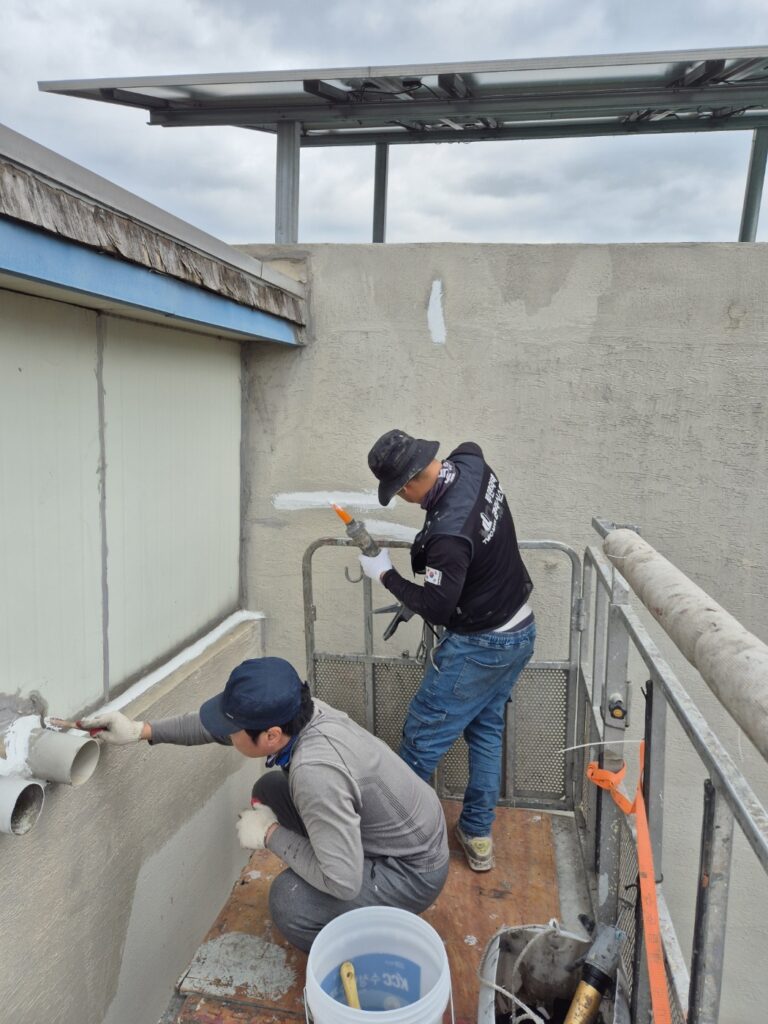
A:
[558,97]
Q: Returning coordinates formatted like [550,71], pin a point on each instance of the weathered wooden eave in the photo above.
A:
[32,196]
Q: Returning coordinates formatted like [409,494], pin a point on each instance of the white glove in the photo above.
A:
[376,566]
[115,727]
[252,826]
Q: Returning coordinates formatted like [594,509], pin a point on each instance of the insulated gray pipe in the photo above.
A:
[732,661]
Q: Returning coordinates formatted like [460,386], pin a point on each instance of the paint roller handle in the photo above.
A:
[64,723]
[347,971]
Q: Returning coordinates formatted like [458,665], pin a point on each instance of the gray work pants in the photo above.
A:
[300,910]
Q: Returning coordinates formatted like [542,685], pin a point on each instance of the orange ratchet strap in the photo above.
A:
[654,950]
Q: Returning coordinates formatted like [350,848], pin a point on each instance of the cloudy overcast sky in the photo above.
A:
[676,188]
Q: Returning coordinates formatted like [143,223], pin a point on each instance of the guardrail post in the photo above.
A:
[653,795]
[614,704]
[711,908]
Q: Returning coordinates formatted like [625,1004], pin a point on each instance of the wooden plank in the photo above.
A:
[473,906]
[245,972]
[206,1010]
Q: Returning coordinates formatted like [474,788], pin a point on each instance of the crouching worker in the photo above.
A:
[353,823]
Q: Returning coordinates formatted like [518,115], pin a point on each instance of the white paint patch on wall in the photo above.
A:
[435,318]
[390,531]
[352,501]
[16,740]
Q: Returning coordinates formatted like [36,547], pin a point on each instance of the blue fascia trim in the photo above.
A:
[36,255]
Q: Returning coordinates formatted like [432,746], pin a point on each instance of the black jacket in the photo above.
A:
[475,579]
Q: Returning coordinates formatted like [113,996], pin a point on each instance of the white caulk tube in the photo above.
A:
[62,757]
[21,801]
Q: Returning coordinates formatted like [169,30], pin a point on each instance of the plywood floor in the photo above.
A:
[246,973]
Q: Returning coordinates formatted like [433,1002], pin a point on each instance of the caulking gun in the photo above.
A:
[358,534]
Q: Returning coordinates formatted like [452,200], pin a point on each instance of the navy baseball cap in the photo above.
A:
[260,692]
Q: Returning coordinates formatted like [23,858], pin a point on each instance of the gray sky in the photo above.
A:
[676,188]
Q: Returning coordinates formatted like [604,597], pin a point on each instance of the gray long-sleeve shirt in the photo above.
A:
[356,797]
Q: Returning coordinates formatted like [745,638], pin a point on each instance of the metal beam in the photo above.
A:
[538,131]
[381,174]
[287,182]
[326,91]
[543,102]
[453,85]
[753,193]
[609,60]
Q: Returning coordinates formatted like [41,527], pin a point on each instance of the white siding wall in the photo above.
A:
[173,488]
[171,435]
[50,575]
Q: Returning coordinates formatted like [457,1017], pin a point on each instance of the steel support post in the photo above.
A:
[599,644]
[370,704]
[612,758]
[711,908]
[381,174]
[287,182]
[750,213]
[653,795]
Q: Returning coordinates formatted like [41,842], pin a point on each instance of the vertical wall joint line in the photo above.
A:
[101,337]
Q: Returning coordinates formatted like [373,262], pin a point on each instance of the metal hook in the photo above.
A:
[349,578]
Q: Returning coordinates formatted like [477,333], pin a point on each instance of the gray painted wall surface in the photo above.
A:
[627,381]
[104,902]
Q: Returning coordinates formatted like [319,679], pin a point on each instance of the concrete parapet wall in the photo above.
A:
[626,381]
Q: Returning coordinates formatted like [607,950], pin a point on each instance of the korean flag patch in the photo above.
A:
[433,576]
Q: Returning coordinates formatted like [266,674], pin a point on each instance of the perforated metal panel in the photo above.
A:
[341,683]
[537,719]
[628,891]
[394,684]
[376,691]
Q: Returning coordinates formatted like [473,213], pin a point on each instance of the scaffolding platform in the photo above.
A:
[246,973]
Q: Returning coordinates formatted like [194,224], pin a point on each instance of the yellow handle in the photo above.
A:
[585,1004]
[350,985]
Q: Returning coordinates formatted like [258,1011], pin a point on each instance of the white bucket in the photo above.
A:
[400,965]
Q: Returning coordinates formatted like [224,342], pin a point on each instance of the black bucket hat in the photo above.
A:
[396,458]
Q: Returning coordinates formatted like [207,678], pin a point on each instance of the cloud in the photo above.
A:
[686,187]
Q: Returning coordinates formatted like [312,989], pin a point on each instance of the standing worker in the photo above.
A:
[353,824]
[476,585]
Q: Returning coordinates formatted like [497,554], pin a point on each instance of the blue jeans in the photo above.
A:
[465,690]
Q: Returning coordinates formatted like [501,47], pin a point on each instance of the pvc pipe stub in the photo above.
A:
[21,801]
[62,757]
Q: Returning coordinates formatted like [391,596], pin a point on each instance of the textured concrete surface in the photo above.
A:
[626,381]
[105,900]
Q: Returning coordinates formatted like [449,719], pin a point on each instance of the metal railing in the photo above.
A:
[565,713]
[612,629]
[375,690]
